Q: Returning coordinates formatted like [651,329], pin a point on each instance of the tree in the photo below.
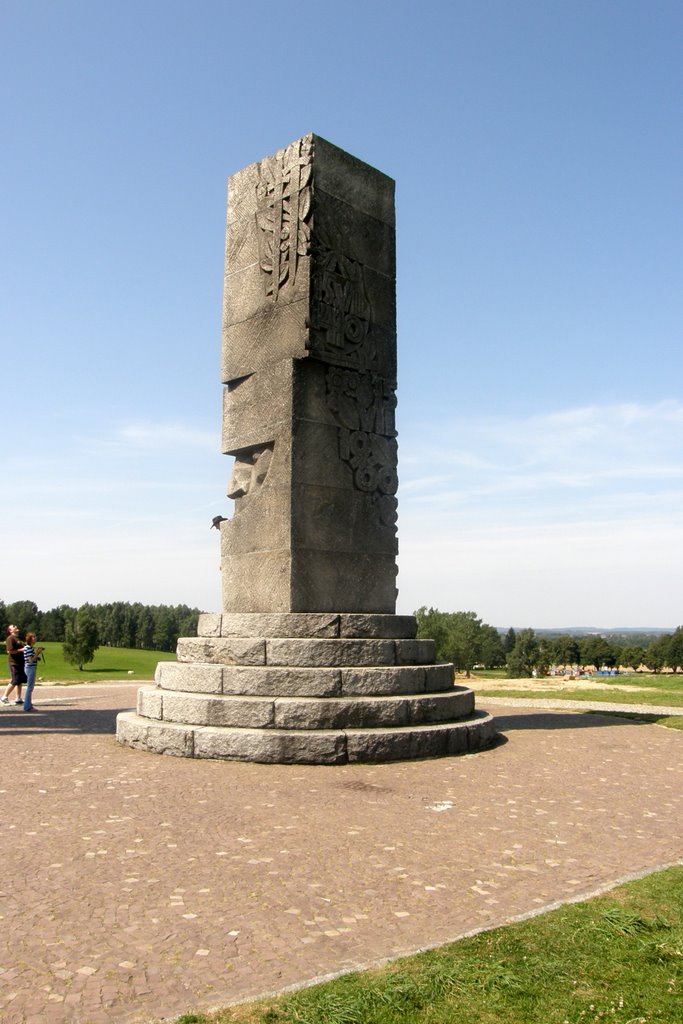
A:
[457,636]
[566,650]
[674,652]
[632,657]
[23,614]
[595,650]
[509,641]
[464,640]
[81,639]
[521,661]
[432,625]
[657,654]
[491,653]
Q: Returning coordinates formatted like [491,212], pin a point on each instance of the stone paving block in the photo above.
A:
[149,702]
[146,734]
[287,624]
[330,652]
[267,747]
[282,681]
[209,624]
[380,627]
[415,652]
[233,712]
[439,677]
[383,745]
[222,650]
[393,679]
[440,708]
[192,677]
[348,713]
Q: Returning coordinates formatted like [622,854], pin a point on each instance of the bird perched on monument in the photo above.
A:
[216,522]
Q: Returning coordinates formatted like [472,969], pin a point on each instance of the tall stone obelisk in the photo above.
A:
[307,661]
[309,364]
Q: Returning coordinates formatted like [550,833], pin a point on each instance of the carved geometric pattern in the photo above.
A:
[283,206]
[341,314]
[363,405]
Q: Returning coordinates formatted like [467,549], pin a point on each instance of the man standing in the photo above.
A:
[15,654]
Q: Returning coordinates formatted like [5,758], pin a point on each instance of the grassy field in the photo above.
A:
[108,663]
[664,689]
[616,958]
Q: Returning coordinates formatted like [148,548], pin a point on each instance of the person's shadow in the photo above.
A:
[57,718]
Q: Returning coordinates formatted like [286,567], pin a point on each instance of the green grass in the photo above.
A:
[616,958]
[108,663]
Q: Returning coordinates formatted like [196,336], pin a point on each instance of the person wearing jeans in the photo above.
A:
[31,659]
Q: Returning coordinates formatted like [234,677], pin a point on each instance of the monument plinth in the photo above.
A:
[307,661]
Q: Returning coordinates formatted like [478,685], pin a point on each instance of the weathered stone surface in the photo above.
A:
[308,663]
[309,360]
[232,712]
[271,746]
[222,650]
[193,678]
[329,652]
[342,581]
[414,652]
[358,713]
[258,408]
[159,738]
[257,581]
[377,681]
[481,731]
[379,627]
[442,707]
[303,746]
[438,677]
[405,744]
[209,625]
[282,681]
[289,624]
[149,702]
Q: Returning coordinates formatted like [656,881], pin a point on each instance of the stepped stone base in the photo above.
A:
[306,689]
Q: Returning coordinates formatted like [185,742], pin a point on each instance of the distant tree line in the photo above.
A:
[463,639]
[118,624]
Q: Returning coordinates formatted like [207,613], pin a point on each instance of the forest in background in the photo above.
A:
[117,624]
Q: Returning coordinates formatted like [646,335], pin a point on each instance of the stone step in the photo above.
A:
[308,624]
[302,681]
[304,652]
[303,712]
[300,746]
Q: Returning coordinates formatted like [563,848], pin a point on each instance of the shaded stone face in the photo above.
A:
[309,367]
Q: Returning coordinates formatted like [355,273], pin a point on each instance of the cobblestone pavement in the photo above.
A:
[136,887]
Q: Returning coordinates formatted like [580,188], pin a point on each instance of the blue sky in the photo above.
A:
[537,152]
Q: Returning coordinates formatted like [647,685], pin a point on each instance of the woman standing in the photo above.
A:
[16,664]
[31,658]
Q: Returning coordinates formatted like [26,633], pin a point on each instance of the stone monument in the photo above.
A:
[308,662]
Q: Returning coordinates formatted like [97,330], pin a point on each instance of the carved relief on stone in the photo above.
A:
[283,207]
[364,407]
[341,313]
[362,401]
[250,470]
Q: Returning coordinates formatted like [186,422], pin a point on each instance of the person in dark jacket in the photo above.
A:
[15,655]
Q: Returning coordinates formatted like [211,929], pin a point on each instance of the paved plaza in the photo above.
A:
[137,887]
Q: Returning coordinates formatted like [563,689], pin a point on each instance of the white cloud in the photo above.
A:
[557,519]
